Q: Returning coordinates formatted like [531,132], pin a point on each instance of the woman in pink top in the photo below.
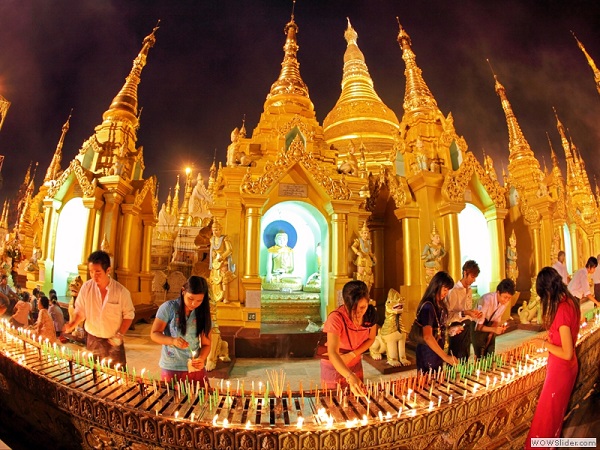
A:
[22,309]
[44,326]
[350,332]
[561,317]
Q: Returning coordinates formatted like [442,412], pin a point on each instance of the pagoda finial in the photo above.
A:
[125,105]
[242,131]
[417,95]
[564,141]
[517,144]
[289,81]
[54,167]
[591,63]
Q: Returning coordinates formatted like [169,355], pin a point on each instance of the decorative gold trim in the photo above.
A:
[76,168]
[274,171]
[149,186]
[300,124]
[456,182]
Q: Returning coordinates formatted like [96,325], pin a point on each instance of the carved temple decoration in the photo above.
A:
[456,182]
[84,178]
[296,153]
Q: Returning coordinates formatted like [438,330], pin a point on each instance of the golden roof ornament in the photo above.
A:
[4,105]
[289,82]
[591,63]
[517,144]
[358,99]
[125,105]
[54,167]
[417,94]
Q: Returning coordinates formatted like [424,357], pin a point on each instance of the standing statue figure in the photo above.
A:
[221,265]
[432,255]
[365,258]
[512,271]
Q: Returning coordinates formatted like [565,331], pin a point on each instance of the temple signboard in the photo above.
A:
[293,190]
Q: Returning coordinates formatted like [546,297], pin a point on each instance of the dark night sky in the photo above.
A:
[214,61]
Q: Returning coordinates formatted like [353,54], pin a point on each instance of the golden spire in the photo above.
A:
[4,105]
[4,216]
[124,105]
[54,166]
[518,146]
[183,213]
[417,95]
[591,63]
[555,167]
[175,205]
[169,202]
[289,81]
[566,146]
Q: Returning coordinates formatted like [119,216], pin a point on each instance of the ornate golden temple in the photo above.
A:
[297,210]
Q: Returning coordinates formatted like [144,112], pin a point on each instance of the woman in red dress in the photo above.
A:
[561,316]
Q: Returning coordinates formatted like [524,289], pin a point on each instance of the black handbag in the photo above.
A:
[416,330]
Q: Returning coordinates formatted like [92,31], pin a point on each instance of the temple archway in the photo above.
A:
[475,243]
[294,297]
[70,239]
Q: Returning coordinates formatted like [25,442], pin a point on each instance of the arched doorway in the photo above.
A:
[475,244]
[70,237]
[307,234]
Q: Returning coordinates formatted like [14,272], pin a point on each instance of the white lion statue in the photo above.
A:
[391,338]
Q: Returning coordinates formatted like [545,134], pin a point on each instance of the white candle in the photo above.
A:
[450,399]
[439,400]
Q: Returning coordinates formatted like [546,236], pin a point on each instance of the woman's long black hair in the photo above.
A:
[438,281]
[550,288]
[196,285]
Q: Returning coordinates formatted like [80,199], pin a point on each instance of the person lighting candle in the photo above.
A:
[432,316]
[350,332]
[183,327]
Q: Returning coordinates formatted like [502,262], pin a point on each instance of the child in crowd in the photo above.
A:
[44,326]
[57,314]
[21,311]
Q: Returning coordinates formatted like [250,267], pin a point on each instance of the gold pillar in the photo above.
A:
[451,238]
[48,240]
[124,254]
[339,263]
[148,223]
[378,292]
[253,216]
[537,249]
[574,247]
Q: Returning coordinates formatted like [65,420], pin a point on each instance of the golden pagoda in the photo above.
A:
[359,116]
[285,179]
[101,193]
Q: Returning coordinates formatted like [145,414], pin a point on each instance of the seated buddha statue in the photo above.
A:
[280,266]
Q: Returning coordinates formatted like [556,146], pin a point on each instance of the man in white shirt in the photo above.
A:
[580,286]
[561,267]
[492,306]
[459,302]
[107,309]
